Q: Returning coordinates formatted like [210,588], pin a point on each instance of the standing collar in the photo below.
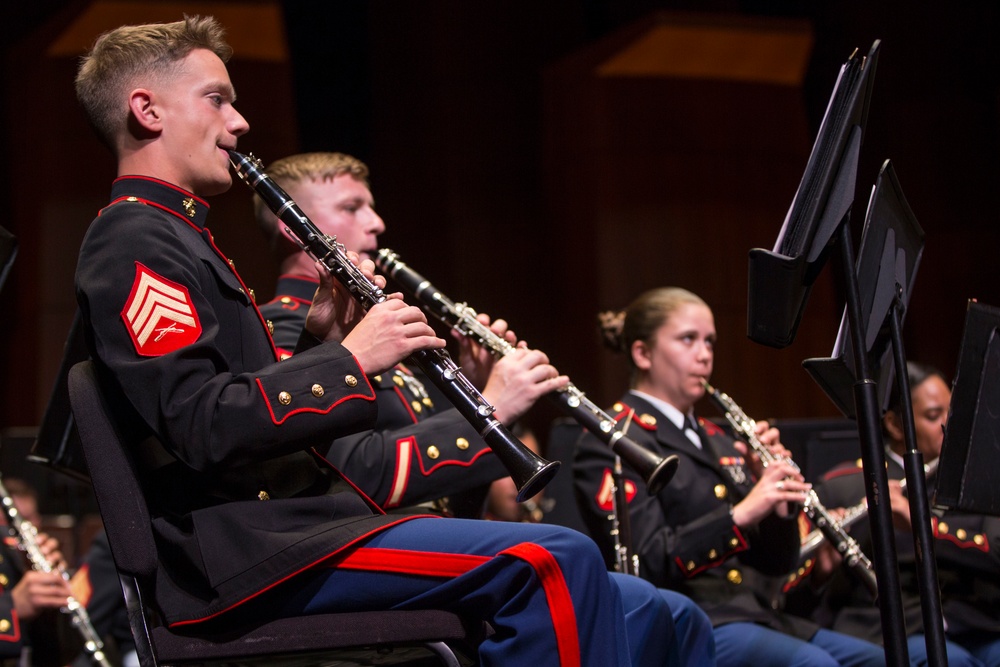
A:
[178,201]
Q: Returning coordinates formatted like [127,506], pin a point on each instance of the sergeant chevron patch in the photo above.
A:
[159,314]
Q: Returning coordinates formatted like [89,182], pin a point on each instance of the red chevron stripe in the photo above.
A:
[159,314]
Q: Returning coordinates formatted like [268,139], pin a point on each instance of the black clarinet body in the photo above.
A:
[529,471]
[656,471]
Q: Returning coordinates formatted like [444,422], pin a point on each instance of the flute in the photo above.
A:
[656,471]
[831,530]
[529,471]
[27,540]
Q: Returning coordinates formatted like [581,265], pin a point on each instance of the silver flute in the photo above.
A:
[830,528]
[852,515]
[27,540]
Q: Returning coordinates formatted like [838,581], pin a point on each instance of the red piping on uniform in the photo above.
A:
[718,561]
[279,422]
[406,405]
[311,565]
[840,473]
[984,547]
[15,629]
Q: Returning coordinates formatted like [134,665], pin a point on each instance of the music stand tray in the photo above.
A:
[887,263]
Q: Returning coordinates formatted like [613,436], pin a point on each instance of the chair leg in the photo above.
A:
[443,651]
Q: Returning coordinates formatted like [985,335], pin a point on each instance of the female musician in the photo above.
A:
[725,526]
[966,546]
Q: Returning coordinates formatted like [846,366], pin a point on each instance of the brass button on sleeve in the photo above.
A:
[350,381]
[433,452]
[284,398]
[317,391]
[462,443]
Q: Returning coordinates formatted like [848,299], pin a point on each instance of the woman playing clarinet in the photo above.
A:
[725,527]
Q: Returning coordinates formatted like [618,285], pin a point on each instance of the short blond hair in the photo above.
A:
[295,169]
[122,57]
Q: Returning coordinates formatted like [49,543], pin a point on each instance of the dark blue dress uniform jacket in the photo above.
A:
[685,536]
[421,448]
[222,431]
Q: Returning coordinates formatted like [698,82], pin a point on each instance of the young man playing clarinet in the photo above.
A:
[222,431]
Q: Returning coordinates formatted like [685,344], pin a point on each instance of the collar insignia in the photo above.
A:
[189,208]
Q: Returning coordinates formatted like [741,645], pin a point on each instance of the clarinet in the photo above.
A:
[27,540]
[529,471]
[626,561]
[852,515]
[654,470]
[831,530]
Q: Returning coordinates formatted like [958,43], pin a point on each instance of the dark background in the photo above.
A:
[520,171]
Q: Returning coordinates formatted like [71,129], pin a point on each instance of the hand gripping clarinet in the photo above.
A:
[529,471]
[654,470]
[852,515]
[27,540]
[854,557]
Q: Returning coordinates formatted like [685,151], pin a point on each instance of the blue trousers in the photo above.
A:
[984,646]
[750,645]
[544,589]
[916,646]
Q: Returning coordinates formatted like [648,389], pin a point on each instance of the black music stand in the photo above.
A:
[966,478]
[891,247]
[58,444]
[779,284]
[780,279]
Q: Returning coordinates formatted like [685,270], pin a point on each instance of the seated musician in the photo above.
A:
[724,526]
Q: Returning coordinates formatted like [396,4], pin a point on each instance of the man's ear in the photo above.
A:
[143,112]
[640,355]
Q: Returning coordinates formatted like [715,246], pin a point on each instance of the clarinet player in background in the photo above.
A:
[966,546]
[31,626]
[724,528]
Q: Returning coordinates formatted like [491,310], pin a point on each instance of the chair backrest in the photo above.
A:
[127,523]
[116,485]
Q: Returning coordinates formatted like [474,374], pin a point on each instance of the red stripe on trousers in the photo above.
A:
[453,565]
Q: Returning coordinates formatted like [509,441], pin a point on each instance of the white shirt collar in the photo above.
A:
[673,414]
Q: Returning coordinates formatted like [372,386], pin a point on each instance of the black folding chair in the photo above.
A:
[363,638]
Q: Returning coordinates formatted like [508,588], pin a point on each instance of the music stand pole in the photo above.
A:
[920,517]
[873,464]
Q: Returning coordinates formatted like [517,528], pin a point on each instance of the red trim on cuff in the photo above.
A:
[279,422]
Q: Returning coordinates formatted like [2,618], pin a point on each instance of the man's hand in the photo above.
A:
[390,332]
[334,311]
[476,360]
[518,380]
